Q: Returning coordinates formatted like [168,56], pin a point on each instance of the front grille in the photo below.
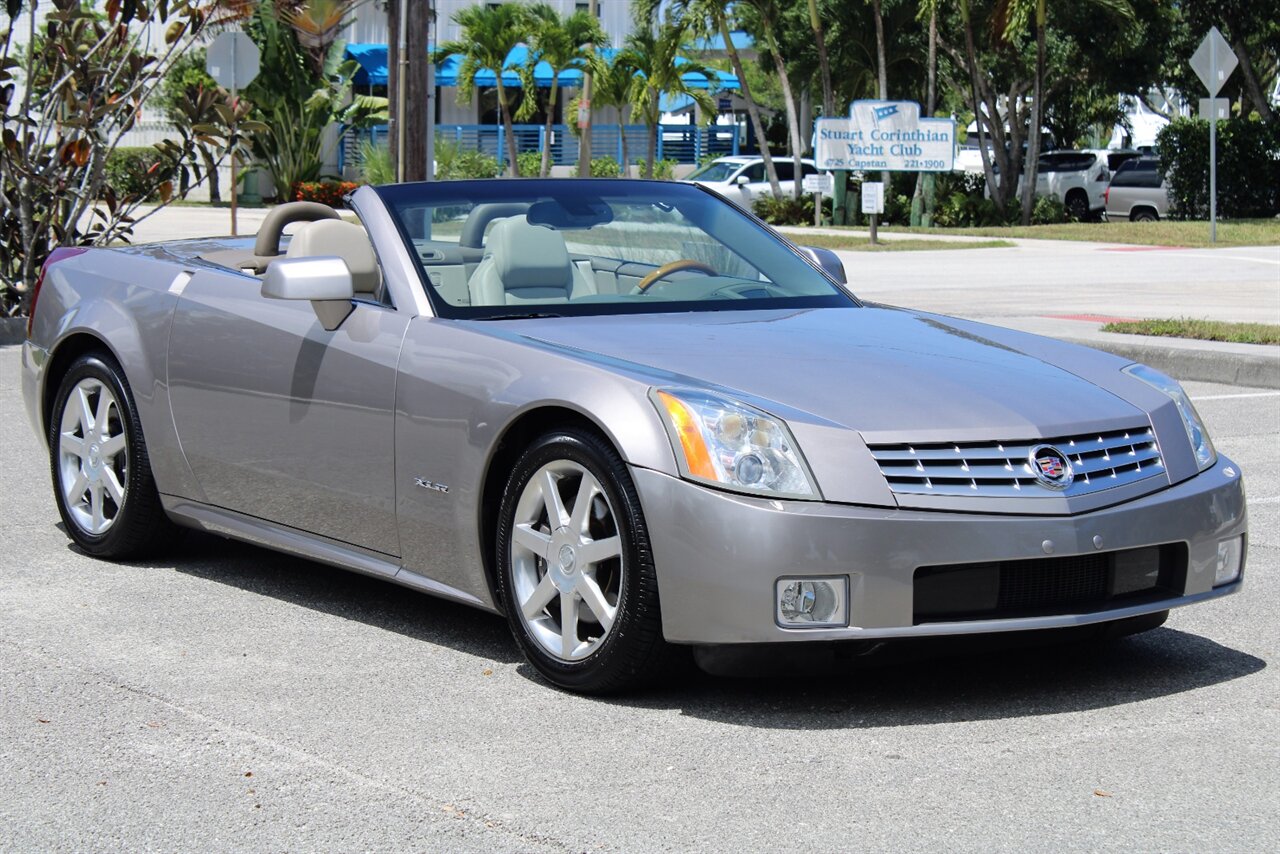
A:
[1048,586]
[1003,469]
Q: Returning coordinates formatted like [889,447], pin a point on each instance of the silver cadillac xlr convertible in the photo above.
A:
[627,415]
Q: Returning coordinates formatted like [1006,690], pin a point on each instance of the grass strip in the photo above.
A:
[1244,232]
[863,244]
[1203,330]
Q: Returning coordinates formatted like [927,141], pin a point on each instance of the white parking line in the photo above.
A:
[1235,396]
[1275,499]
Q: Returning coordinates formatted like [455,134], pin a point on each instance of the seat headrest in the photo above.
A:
[529,256]
[348,241]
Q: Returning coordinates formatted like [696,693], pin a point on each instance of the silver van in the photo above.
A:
[1138,192]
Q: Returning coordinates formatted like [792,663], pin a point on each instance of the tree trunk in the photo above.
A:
[584,140]
[513,150]
[417,99]
[546,137]
[753,109]
[1031,167]
[211,167]
[622,140]
[922,200]
[971,59]
[651,141]
[824,64]
[1252,86]
[789,97]
[882,72]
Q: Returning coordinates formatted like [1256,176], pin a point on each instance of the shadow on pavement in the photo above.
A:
[1011,683]
[342,593]
[939,681]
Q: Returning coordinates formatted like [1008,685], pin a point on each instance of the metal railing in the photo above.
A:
[682,143]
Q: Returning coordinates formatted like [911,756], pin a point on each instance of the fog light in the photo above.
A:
[1230,557]
[811,603]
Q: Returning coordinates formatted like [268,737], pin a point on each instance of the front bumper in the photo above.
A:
[719,555]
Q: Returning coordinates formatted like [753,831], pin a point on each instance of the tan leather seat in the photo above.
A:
[348,241]
[526,263]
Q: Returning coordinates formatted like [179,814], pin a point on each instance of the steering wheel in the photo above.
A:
[674,267]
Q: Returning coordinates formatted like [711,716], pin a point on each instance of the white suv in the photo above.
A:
[742,179]
[1078,179]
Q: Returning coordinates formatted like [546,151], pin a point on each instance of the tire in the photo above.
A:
[604,571]
[101,473]
[1077,205]
[1144,216]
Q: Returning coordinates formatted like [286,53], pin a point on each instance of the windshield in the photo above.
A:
[533,247]
[717,171]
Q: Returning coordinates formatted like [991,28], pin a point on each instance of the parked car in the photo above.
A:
[1075,178]
[1138,192]
[626,415]
[742,180]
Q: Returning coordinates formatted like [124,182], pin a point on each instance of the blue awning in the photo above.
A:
[372,59]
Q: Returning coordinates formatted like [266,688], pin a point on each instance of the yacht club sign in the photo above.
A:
[888,136]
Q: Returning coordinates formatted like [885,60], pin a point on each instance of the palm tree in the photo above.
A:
[1019,17]
[661,62]
[563,43]
[770,14]
[824,64]
[489,34]
[708,18]
[611,87]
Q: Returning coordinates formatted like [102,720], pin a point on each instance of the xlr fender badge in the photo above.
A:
[432,485]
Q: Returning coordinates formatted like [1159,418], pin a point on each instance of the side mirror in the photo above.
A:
[742,180]
[827,261]
[325,281]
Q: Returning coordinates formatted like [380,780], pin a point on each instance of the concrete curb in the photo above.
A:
[1260,370]
[13,330]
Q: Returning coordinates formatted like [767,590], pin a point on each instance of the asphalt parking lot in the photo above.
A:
[227,697]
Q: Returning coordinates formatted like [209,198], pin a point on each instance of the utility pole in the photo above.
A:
[584,113]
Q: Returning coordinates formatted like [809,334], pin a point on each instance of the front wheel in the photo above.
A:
[575,570]
[101,473]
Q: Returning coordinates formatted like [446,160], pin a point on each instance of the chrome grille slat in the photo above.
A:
[1002,470]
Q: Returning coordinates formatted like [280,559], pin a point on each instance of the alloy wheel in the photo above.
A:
[93,456]
[566,560]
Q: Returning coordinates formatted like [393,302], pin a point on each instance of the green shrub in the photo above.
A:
[375,163]
[453,162]
[1248,167]
[605,167]
[788,210]
[530,163]
[136,172]
[1048,211]
[663,170]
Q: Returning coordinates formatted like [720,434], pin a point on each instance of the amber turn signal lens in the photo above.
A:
[696,455]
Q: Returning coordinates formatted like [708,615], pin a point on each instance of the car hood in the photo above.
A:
[890,374]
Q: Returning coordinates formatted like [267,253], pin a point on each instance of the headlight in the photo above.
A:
[1200,443]
[733,445]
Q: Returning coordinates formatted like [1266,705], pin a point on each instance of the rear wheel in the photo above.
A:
[575,571]
[1077,204]
[1144,215]
[101,473]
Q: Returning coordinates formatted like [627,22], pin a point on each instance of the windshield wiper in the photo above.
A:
[523,316]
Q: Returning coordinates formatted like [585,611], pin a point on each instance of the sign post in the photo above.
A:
[233,62]
[820,185]
[873,203]
[1213,63]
